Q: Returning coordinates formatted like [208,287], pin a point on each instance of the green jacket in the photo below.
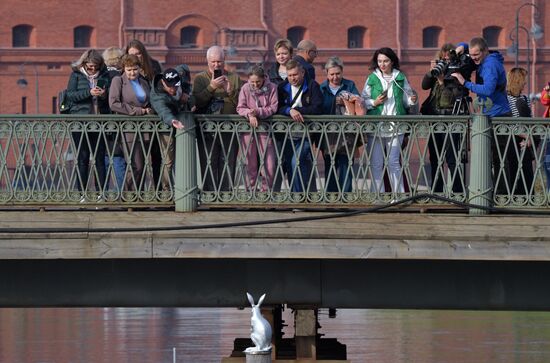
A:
[203,93]
[376,89]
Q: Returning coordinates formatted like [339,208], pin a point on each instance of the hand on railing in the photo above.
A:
[177,124]
[296,115]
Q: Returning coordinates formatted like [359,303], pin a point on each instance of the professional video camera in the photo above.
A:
[461,63]
[454,97]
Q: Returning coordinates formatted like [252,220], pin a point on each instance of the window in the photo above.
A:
[23,105]
[21,35]
[83,36]
[188,36]
[491,35]
[295,34]
[355,36]
[430,37]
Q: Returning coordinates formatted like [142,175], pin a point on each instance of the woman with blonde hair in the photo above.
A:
[522,153]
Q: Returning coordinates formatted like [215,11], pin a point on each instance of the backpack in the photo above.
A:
[63,104]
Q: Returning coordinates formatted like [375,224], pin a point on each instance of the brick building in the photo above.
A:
[39,40]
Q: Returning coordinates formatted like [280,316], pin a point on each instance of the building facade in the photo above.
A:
[39,41]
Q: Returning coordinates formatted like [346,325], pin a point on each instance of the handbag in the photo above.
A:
[63,104]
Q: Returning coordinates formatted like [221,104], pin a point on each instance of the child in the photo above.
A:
[257,101]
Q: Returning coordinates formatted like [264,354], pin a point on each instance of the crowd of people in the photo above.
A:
[130,82]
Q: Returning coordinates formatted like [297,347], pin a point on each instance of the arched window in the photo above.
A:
[189,36]
[83,36]
[356,36]
[430,37]
[492,35]
[296,34]
[21,35]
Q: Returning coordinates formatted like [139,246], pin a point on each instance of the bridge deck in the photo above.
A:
[367,236]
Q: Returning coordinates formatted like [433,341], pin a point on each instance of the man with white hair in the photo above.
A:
[216,91]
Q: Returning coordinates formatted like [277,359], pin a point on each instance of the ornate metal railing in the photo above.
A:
[83,160]
[220,160]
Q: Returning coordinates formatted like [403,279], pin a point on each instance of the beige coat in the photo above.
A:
[122,98]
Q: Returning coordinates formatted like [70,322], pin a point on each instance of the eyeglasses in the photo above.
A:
[313,51]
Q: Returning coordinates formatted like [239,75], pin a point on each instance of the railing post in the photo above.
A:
[481,181]
[185,184]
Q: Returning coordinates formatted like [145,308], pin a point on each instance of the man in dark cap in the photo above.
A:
[169,99]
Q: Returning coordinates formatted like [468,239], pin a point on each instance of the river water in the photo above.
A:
[149,335]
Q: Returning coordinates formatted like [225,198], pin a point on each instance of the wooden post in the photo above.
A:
[481,183]
[185,183]
[305,325]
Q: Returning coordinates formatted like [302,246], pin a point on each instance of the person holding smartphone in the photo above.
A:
[216,91]
[87,90]
[387,92]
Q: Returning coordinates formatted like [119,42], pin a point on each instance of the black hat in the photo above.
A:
[171,77]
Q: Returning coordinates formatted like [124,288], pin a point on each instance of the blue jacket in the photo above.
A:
[491,79]
[329,100]
[312,99]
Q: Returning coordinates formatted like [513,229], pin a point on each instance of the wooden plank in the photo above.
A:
[76,248]
[388,235]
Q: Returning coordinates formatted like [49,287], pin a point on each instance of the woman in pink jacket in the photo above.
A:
[258,101]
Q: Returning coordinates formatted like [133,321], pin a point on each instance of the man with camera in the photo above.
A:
[491,86]
[447,97]
[216,91]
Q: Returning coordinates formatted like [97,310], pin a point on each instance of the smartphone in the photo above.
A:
[217,73]
[101,83]
[384,93]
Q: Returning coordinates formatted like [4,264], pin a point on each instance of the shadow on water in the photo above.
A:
[146,335]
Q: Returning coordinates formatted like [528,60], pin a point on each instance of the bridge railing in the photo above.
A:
[220,160]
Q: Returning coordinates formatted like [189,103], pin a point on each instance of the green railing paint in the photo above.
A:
[38,161]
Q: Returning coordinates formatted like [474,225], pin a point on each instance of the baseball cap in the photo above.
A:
[171,77]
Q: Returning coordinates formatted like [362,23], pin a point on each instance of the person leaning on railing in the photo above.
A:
[130,95]
[298,96]
[258,101]
[169,98]
[545,100]
[340,97]
[87,92]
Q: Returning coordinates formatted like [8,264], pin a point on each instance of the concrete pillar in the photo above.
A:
[258,357]
[185,183]
[481,181]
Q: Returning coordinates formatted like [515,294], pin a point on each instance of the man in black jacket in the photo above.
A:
[169,99]
[299,96]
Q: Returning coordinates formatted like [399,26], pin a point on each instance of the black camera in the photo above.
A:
[440,68]
[458,63]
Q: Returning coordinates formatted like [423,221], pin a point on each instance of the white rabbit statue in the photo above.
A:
[260,330]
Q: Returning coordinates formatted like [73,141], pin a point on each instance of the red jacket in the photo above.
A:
[545,100]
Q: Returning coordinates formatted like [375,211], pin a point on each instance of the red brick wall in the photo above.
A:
[158,24]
